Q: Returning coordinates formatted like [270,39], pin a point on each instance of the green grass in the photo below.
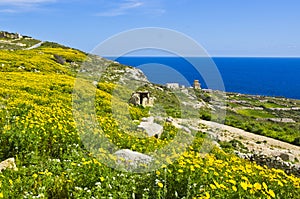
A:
[255,113]
[272,105]
[38,129]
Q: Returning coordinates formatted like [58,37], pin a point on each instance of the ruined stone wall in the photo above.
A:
[272,162]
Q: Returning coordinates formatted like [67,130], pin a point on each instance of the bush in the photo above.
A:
[297,141]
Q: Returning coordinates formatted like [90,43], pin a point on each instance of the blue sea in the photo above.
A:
[258,76]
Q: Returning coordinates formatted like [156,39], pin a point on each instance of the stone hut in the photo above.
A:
[142,98]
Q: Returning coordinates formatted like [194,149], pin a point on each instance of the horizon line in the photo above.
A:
[216,56]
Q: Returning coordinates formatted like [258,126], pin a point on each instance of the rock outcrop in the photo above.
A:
[8,164]
[150,128]
[131,159]
[272,162]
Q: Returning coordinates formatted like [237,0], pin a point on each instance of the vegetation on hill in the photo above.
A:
[38,129]
[14,41]
[256,113]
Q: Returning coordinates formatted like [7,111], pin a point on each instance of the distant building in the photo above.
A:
[197,85]
[172,85]
[8,35]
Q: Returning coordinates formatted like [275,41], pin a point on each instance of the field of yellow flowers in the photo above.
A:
[38,129]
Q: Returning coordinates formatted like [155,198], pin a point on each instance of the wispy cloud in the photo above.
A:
[126,7]
[7,11]
[15,6]
[24,2]
[121,8]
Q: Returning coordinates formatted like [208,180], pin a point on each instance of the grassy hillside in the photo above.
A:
[14,41]
[261,115]
[38,129]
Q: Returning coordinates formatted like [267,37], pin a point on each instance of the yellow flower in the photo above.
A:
[160,185]
[257,186]
[245,178]
[164,166]
[1,195]
[102,179]
[265,185]
[180,171]
[244,185]
[217,184]
[234,188]
[212,186]
[197,166]
[157,173]
[35,175]
[271,192]
[192,168]
[207,195]
[223,186]
[232,182]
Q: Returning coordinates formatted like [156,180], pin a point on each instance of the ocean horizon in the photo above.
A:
[266,76]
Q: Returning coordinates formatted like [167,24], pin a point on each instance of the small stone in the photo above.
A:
[95,83]
[287,157]
[148,119]
[169,119]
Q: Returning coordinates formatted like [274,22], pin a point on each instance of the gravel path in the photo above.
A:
[35,46]
[254,143]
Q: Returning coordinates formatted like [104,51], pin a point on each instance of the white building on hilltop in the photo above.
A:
[172,85]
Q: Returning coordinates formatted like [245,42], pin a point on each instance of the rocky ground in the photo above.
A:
[261,149]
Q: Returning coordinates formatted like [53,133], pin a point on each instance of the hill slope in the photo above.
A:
[38,129]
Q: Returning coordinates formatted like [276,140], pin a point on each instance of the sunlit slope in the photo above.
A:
[38,129]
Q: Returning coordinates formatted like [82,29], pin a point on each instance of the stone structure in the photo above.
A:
[172,85]
[141,98]
[276,162]
[10,35]
[196,85]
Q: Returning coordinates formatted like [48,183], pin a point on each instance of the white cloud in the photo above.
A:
[7,11]
[121,8]
[17,6]
[24,2]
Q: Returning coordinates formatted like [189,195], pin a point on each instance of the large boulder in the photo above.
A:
[129,159]
[8,164]
[150,128]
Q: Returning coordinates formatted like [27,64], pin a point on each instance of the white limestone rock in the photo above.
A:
[8,164]
[131,159]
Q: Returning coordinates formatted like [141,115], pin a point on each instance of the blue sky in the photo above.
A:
[222,27]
